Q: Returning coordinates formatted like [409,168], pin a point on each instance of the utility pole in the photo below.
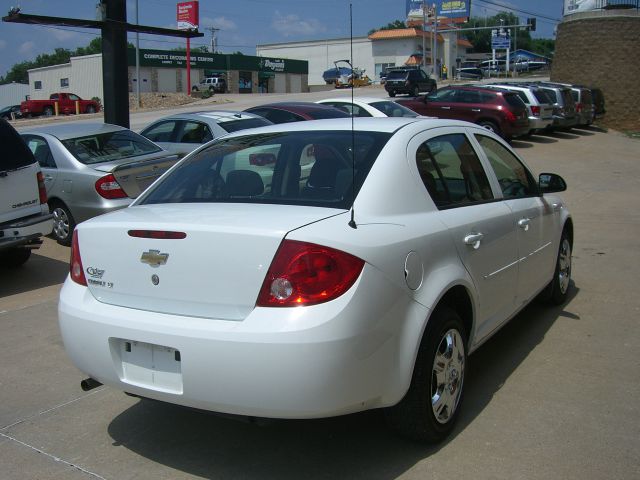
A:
[424,31]
[214,43]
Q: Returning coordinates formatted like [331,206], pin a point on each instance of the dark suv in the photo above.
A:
[408,80]
[498,110]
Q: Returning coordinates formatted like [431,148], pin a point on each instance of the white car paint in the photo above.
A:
[352,353]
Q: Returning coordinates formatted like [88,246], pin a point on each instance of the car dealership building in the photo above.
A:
[166,71]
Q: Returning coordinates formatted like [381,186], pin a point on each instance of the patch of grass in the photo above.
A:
[632,134]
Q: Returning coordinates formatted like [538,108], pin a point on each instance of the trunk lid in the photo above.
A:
[135,175]
[216,271]
[19,194]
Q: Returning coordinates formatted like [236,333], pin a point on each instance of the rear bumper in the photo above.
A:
[564,122]
[537,123]
[330,359]
[26,232]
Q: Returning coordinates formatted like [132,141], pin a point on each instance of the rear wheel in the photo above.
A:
[63,223]
[430,408]
[489,125]
[14,257]
[48,111]
[91,109]
[558,289]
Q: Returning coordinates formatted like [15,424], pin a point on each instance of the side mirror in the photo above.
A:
[550,183]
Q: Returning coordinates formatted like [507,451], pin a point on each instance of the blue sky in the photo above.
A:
[243,23]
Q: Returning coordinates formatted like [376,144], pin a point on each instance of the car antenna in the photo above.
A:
[352,222]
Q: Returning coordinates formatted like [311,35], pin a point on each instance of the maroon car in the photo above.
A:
[286,112]
[500,111]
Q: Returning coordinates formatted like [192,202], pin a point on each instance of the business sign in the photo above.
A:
[187,14]
[579,6]
[500,39]
[458,9]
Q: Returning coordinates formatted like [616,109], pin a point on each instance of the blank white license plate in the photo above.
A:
[151,366]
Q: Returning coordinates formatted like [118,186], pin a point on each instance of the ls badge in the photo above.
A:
[154,258]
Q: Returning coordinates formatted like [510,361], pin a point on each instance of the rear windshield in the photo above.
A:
[567,97]
[235,125]
[514,100]
[15,153]
[552,95]
[576,95]
[542,96]
[321,113]
[291,168]
[393,109]
[108,147]
[397,75]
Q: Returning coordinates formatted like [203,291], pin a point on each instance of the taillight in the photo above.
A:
[75,266]
[509,116]
[304,274]
[578,107]
[108,187]
[42,190]
[535,110]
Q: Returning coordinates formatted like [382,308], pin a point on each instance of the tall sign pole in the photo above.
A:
[188,18]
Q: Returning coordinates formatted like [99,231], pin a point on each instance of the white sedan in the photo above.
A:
[365,284]
[369,107]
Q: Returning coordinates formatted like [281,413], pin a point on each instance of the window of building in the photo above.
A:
[37,85]
[64,82]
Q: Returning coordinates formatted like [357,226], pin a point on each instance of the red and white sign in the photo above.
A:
[188,15]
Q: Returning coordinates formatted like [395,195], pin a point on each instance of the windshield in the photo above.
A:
[291,168]
[107,147]
[235,125]
[393,109]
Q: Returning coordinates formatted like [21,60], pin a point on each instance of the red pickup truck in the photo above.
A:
[66,104]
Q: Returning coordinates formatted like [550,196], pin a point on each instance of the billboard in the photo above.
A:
[458,9]
[187,14]
[579,6]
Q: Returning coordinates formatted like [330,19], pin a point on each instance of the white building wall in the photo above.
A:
[49,78]
[85,79]
[167,80]
[322,53]
[13,94]
[280,83]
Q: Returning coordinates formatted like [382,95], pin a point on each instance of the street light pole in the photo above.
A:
[424,31]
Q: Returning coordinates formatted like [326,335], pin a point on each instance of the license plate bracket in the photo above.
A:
[147,365]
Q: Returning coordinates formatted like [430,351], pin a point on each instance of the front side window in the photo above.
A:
[451,171]
[444,95]
[393,109]
[514,178]
[312,168]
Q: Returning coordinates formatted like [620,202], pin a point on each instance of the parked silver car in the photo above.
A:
[539,104]
[93,168]
[183,133]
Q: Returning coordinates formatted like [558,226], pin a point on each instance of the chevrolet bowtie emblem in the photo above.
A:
[154,258]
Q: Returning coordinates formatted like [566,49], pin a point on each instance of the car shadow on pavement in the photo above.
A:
[538,138]
[521,143]
[351,446]
[38,272]
[582,132]
[560,135]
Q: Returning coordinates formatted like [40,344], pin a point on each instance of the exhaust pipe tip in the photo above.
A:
[89,384]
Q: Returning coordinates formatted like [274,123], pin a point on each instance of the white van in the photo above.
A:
[24,213]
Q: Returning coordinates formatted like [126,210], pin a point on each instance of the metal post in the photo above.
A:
[114,69]
[434,34]
[138,101]
[188,66]
[424,31]
[515,51]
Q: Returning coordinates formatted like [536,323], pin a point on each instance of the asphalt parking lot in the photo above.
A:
[553,395]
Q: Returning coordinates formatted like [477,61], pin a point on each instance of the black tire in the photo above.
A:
[91,109]
[48,111]
[63,223]
[415,416]
[194,89]
[14,257]
[415,91]
[392,93]
[557,291]
[434,87]
[491,126]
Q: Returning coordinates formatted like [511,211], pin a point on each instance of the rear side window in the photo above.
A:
[523,96]
[552,95]
[393,109]
[542,96]
[452,172]
[15,153]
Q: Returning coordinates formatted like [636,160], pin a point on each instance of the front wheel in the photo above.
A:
[63,223]
[430,407]
[415,92]
[91,109]
[48,111]
[392,93]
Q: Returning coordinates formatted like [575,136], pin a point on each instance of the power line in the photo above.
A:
[514,9]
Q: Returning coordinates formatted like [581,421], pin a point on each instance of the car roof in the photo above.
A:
[347,99]
[74,130]
[219,116]
[360,124]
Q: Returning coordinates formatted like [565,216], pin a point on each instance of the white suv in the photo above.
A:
[24,213]
[213,84]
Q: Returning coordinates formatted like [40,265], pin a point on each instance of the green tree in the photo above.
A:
[481,39]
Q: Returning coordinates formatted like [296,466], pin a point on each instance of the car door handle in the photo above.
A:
[524,223]
[445,108]
[474,240]
[476,110]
